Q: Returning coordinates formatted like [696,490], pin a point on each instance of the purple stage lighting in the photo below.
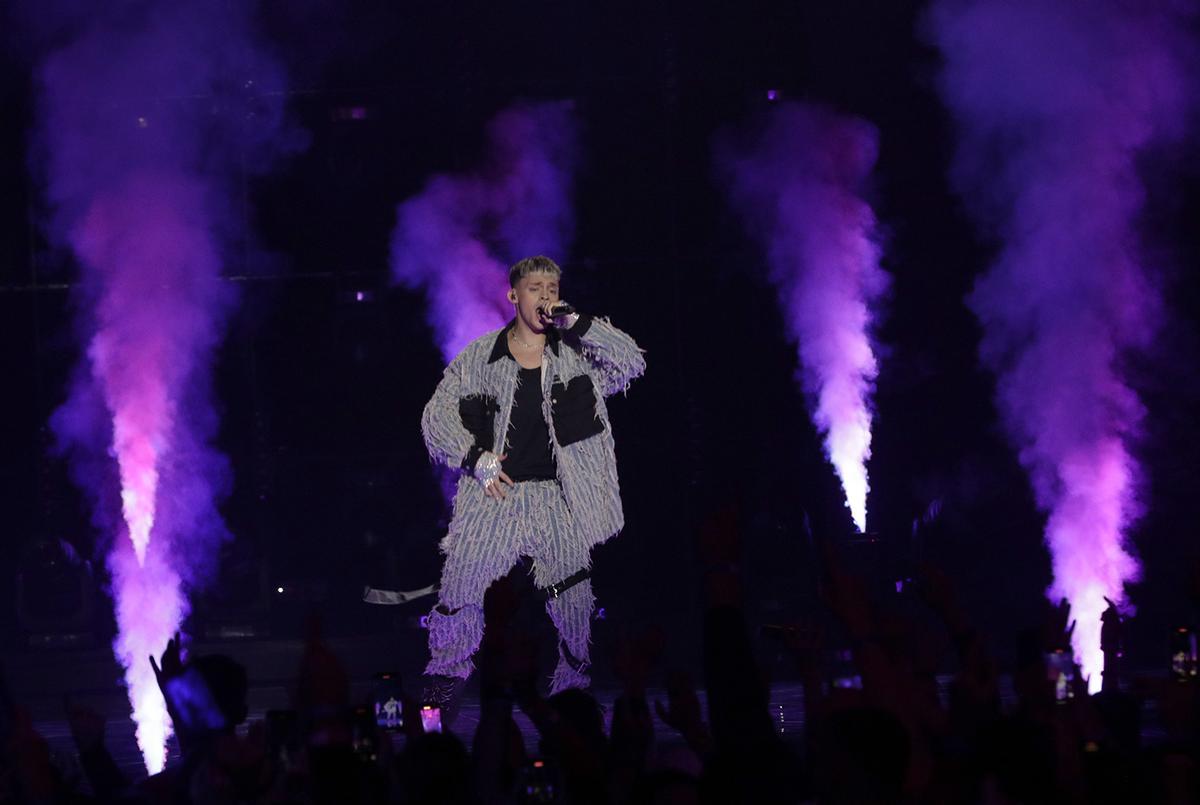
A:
[798,186]
[144,210]
[1054,104]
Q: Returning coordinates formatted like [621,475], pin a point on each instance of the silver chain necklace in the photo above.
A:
[513,335]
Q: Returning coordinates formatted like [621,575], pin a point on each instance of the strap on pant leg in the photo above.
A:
[560,587]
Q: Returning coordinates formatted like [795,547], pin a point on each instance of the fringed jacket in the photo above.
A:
[469,413]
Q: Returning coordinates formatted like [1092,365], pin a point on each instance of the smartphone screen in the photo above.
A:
[431,718]
[364,737]
[1183,654]
[1060,668]
[386,701]
[538,783]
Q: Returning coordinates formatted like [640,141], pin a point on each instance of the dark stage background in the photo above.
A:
[320,394]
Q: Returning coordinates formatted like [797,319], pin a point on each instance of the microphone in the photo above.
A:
[559,309]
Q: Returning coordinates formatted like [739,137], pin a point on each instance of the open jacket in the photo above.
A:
[469,413]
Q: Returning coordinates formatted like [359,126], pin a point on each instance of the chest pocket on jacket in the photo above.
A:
[479,418]
[573,407]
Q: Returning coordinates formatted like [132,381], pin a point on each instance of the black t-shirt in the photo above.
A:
[528,445]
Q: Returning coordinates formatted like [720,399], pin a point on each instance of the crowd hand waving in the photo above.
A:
[491,476]
[171,667]
[1058,628]
[719,545]
[846,595]
[635,657]
[682,712]
[172,661]
[86,725]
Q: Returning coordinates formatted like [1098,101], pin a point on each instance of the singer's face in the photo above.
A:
[533,291]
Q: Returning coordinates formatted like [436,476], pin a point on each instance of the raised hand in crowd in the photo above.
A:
[682,713]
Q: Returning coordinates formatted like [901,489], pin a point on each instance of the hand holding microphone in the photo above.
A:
[561,314]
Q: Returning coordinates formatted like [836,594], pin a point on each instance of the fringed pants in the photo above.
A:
[487,538]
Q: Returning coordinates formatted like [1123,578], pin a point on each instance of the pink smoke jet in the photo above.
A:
[1054,104]
[797,188]
[159,294]
[456,239]
[150,608]
[147,109]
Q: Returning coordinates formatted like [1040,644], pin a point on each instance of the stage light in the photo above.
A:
[772,95]
[356,296]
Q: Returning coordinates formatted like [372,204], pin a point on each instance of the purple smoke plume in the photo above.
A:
[797,187]
[145,113]
[456,239]
[1054,102]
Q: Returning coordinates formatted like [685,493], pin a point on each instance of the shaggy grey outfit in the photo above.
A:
[555,523]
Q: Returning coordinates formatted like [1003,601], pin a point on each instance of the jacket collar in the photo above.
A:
[500,348]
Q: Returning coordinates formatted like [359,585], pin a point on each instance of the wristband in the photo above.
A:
[487,468]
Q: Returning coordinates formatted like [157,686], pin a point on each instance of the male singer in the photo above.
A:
[521,412]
